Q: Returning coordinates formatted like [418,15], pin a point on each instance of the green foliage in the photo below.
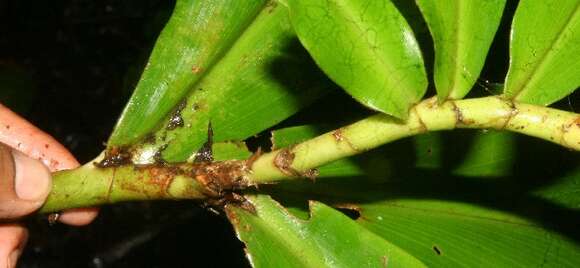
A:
[459,53]
[544,51]
[366,47]
[446,199]
[327,239]
[197,35]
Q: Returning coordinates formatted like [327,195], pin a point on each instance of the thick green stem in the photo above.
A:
[484,113]
[92,186]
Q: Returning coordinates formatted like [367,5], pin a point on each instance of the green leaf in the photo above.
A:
[198,34]
[264,77]
[366,47]
[462,33]
[451,234]
[327,239]
[462,198]
[544,51]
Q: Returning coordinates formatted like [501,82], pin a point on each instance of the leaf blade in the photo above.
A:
[366,47]
[311,243]
[462,33]
[544,52]
[196,36]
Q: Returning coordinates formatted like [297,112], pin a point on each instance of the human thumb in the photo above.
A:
[24,184]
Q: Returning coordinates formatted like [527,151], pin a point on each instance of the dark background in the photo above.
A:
[69,67]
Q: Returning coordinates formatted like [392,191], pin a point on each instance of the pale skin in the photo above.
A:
[27,158]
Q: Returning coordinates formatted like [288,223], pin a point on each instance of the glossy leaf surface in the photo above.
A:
[462,32]
[544,51]
[461,205]
[366,47]
[275,238]
[198,34]
[264,77]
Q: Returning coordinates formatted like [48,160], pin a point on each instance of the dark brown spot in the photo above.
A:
[176,120]
[7,127]
[158,156]
[205,153]
[114,157]
[46,145]
[283,161]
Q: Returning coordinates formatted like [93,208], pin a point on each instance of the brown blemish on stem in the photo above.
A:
[283,162]
[176,120]
[513,112]
[458,113]
[254,157]
[116,156]
[339,137]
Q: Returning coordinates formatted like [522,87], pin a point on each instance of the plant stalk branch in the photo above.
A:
[494,112]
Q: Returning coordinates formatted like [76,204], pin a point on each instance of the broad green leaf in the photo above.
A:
[198,34]
[275,238]
[462,33]
[264,77]
[455,199]
[544,51]
[366,47]
[451,234]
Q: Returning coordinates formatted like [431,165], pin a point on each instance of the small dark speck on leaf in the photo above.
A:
[437,250]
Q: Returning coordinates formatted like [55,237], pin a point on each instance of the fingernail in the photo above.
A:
[31,179]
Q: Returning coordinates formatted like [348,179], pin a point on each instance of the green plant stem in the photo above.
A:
[92,186]
[557,126]
[89,186]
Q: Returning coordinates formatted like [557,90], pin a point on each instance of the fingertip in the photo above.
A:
[32,180]
[13,238]
[78,216]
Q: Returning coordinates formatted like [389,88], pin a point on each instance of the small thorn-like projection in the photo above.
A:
[205,154]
